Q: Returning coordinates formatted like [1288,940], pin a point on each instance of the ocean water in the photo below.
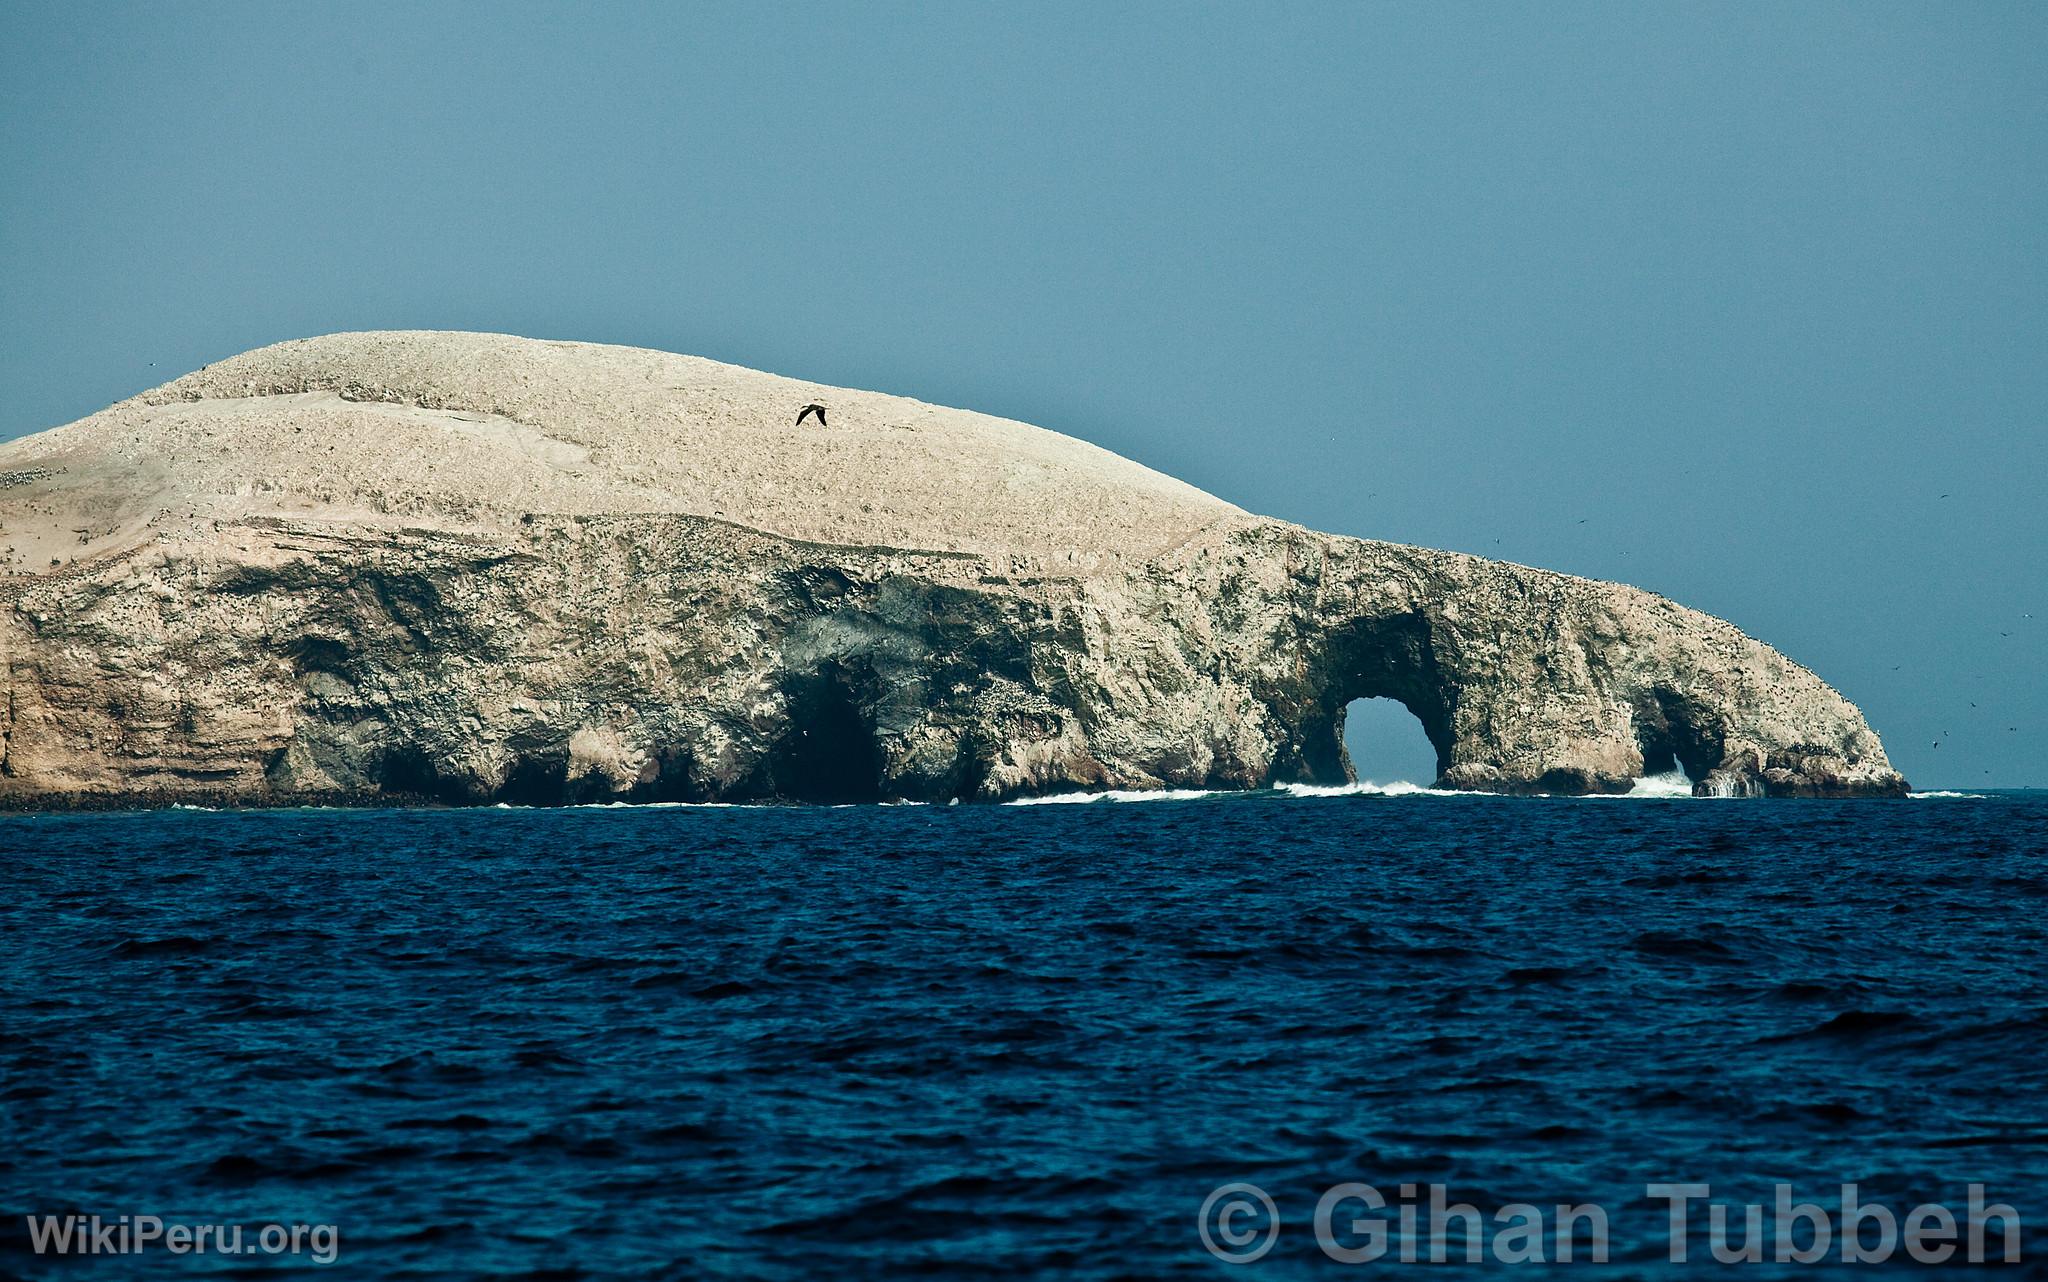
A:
[1019,1041]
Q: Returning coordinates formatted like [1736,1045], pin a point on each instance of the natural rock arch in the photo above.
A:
[1368,658]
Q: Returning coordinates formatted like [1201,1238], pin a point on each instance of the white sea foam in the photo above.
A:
[1671,784]
[1363,788]
[1114,794]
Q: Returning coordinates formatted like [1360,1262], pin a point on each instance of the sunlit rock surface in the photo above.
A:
[473,568]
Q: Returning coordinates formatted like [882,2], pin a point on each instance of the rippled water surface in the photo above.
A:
[1006,1041]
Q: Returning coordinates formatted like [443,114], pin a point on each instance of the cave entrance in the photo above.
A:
[1387,743]
[829,754]
[1669,730]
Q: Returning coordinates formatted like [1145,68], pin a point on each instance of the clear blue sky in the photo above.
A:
[1720,300]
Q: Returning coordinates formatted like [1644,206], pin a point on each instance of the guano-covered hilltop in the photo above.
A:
[473,568]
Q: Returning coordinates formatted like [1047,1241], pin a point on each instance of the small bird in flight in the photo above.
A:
[809,410]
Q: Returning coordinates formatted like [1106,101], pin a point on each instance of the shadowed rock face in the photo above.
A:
[475,568]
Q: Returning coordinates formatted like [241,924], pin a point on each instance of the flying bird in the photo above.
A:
[809,410]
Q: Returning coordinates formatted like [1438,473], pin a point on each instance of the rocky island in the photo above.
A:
[469,568]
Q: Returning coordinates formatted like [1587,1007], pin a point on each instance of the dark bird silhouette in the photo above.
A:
[809,410]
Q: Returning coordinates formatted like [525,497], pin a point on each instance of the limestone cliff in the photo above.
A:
[471,567]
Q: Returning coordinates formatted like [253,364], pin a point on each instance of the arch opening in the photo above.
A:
[1385,668]
[1385,743]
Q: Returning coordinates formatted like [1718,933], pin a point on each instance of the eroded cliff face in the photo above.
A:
[470,568]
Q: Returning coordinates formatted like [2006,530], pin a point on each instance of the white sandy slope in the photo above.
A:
[459,430]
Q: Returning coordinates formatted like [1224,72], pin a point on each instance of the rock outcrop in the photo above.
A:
[473,568]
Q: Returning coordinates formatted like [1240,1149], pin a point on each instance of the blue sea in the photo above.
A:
[1012,1041]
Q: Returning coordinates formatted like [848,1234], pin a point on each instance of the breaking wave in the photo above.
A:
[1671,784]
[1364,788]
[1115,794]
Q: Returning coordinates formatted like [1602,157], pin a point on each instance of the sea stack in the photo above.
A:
[470,568]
